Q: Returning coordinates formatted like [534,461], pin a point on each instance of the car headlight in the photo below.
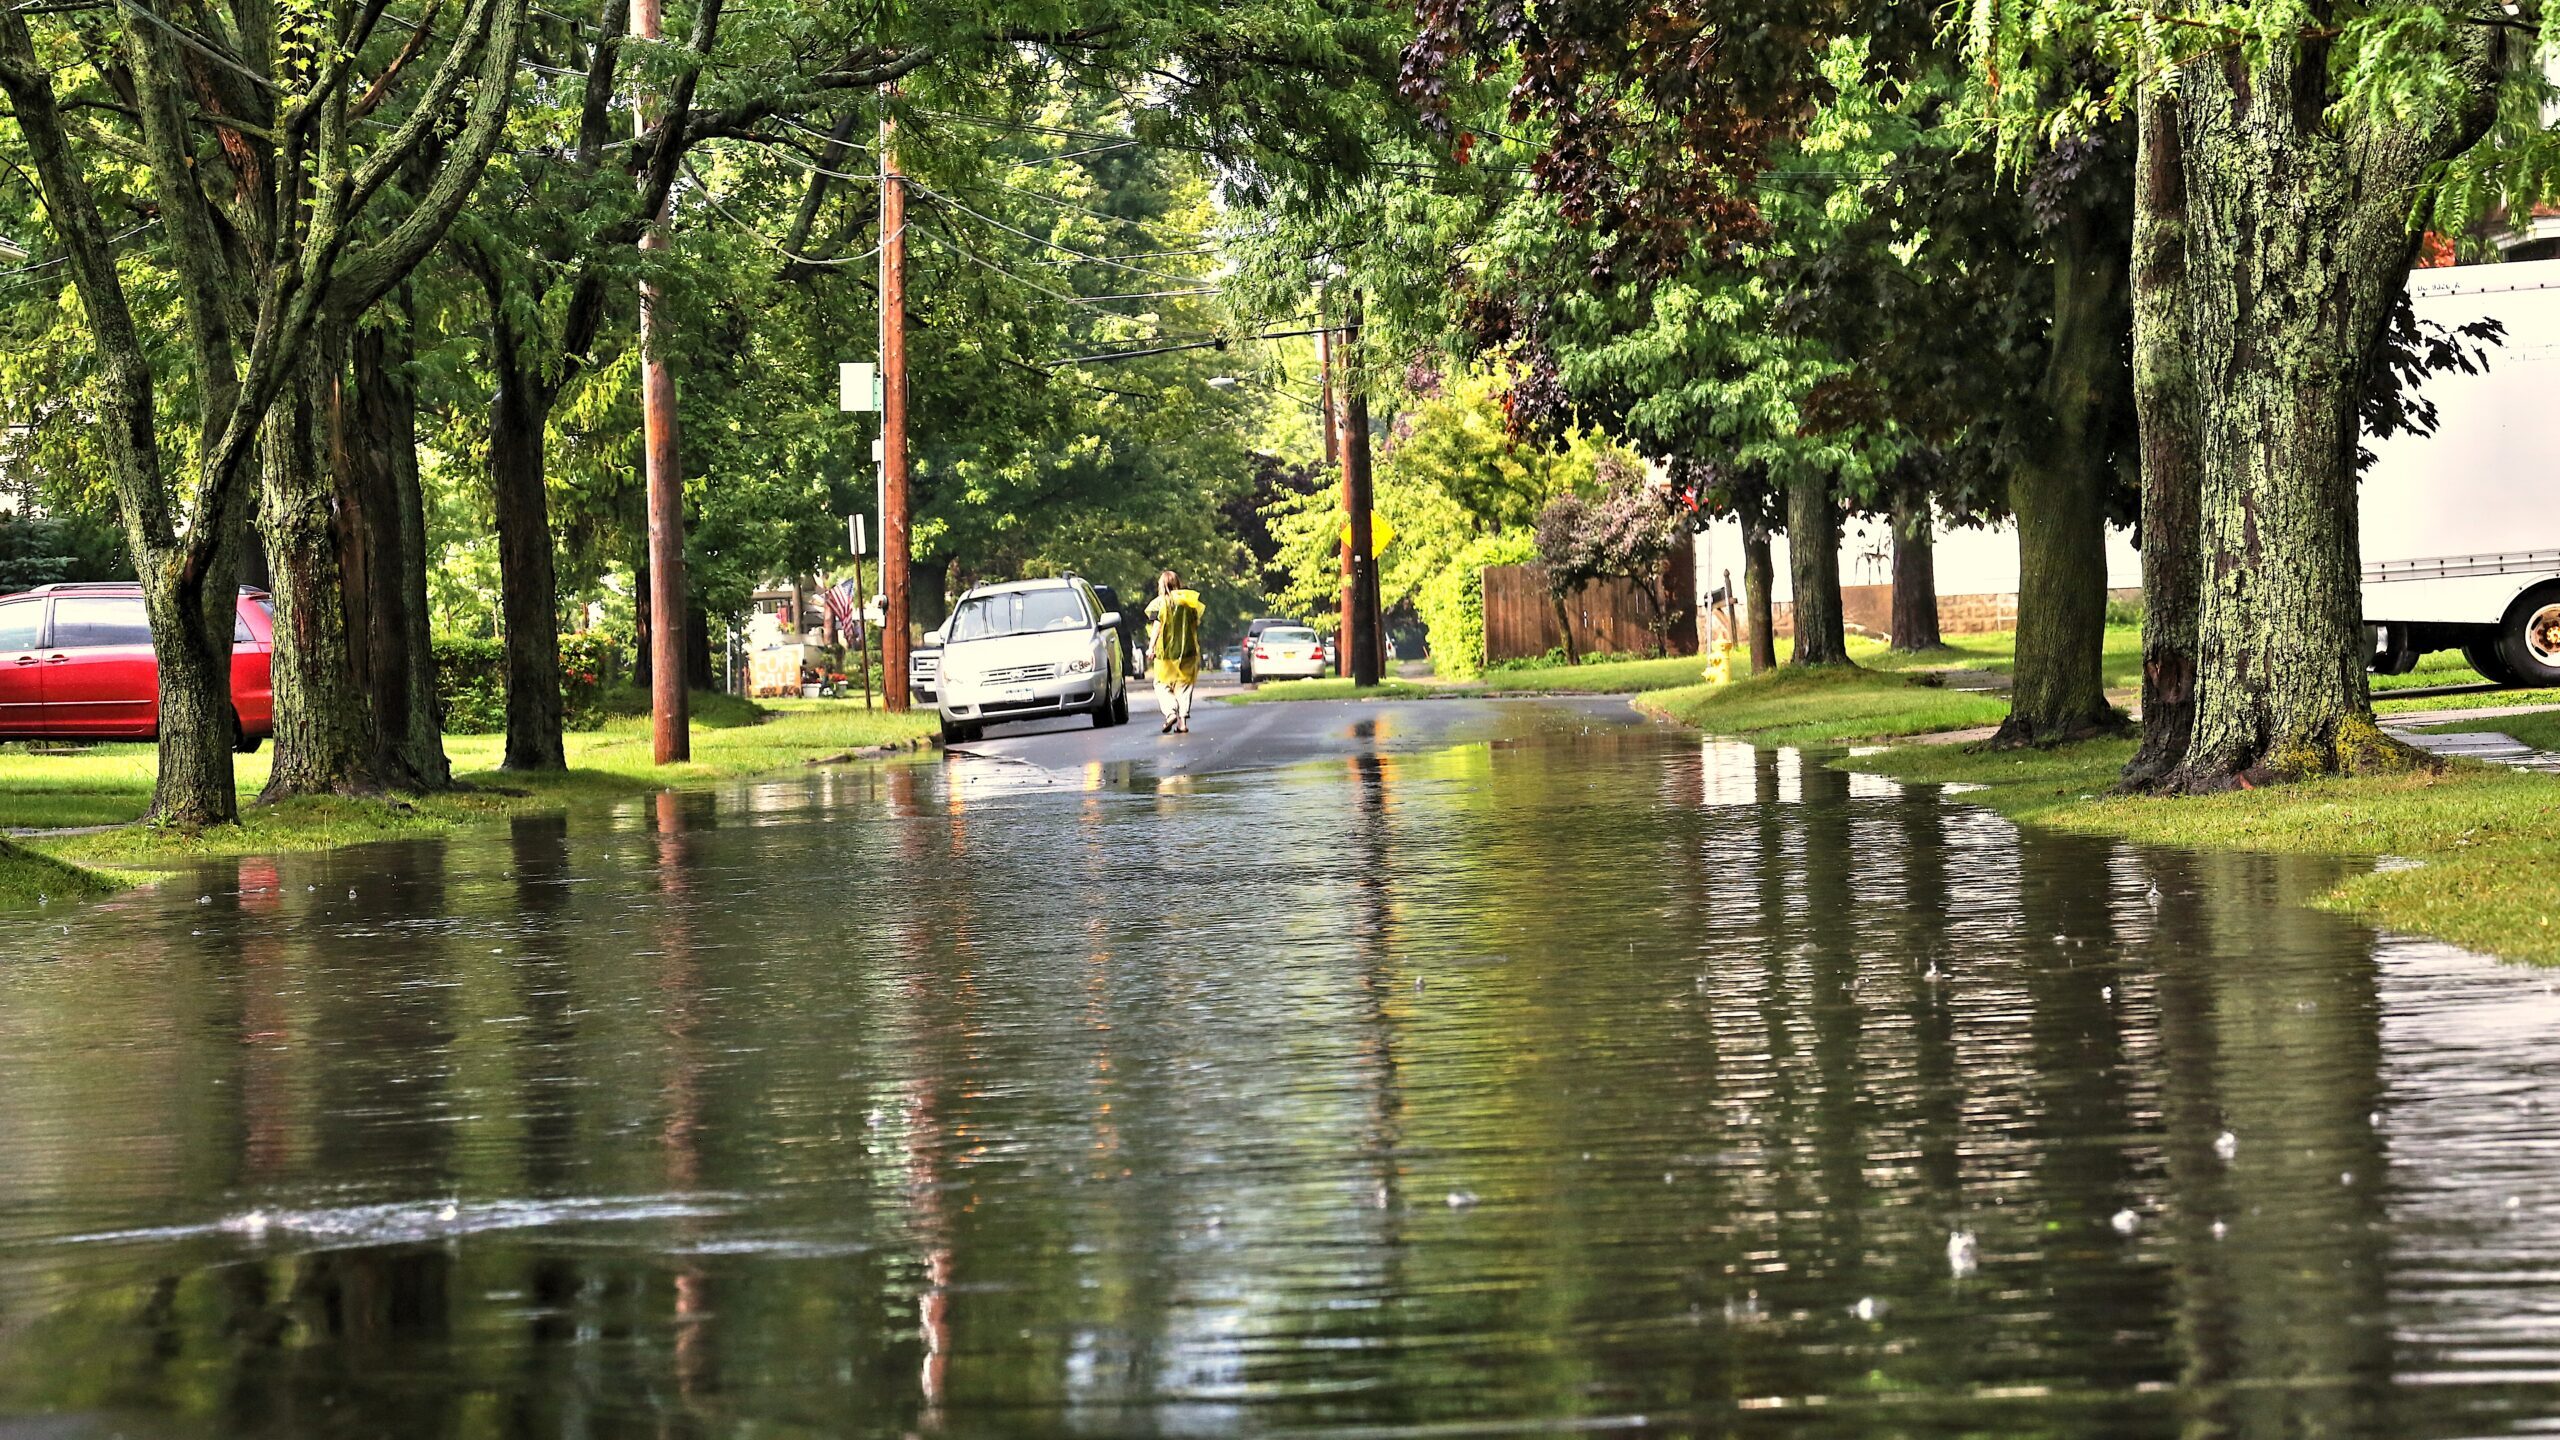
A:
[1080,666]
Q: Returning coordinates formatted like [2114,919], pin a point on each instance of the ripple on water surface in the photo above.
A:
[1571,1079]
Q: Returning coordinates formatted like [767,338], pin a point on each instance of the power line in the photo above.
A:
[1218,344]
[1052,244]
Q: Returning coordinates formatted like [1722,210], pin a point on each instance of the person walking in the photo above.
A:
[1174,639]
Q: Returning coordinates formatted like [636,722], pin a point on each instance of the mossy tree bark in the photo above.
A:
[327,742]
[2165,398]
[387,531]
[1813,560]
[1759,575]
[2298,241]
[1915,575]
[2058,493]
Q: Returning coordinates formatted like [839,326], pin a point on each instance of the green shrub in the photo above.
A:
[471,680]
[1451,602]
[2124,612]
[471,684]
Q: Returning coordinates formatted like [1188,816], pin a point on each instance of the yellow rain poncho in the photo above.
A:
[1175,640]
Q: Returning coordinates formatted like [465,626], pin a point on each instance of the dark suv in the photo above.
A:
[76,664]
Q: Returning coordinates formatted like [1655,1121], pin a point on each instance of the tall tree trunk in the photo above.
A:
[2057,689]
[387,518]
[927,580]
[1759,576]
[2299,240]
[1915,576]
[1813,556]
[191,628]
[697,647]
[528,585]
[642,637]
[2165,395]
[325,736]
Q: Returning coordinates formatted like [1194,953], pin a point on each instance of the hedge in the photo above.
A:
[471,680]
[1451,602]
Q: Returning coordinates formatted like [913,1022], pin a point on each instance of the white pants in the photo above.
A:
[1175,701]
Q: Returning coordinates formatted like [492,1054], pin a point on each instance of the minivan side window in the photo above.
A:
[90,620]
[21,624]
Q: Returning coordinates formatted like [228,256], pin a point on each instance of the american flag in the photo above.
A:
[848,614]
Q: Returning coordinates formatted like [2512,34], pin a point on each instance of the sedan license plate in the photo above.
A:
[1014,692]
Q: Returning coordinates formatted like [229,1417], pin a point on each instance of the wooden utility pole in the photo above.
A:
[893,428]
[1333,461]
[670,727]
[1360,615]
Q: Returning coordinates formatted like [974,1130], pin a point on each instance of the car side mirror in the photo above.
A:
[933,637]
[1110,621]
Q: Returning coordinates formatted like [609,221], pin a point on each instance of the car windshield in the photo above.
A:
[1018,612]
[1287,636]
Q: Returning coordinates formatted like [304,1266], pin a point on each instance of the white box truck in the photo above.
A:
[2461,548]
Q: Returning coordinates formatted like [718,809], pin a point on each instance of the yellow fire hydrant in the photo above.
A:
[1720,663]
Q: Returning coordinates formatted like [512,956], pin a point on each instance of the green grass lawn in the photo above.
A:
[111,785]
[2483,833]
[1825,707]
[1992,653]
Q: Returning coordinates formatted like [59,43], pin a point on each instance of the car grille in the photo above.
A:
[1020,674]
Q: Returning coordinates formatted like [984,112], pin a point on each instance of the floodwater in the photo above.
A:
[1569,1077]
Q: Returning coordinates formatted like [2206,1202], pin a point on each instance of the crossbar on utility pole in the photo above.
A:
[670,727]
[893,428]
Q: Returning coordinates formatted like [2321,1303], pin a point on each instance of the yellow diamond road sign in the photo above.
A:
[1381,534]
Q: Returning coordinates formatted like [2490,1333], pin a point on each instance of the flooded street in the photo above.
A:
[1487,1069]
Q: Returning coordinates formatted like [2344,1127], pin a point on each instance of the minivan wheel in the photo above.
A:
[957,734]
[1120,707]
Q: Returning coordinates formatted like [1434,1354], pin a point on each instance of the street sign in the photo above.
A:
[853,533]
[858,387]
[1381,534]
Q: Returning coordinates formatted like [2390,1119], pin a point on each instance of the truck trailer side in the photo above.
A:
[2461,545]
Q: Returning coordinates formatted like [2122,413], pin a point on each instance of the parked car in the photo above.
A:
[1287,652]
[1028,649]
[1231,659]
[924,673]
[1253,629]
[76,663]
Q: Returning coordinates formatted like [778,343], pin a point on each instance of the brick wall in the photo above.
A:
[1868,610]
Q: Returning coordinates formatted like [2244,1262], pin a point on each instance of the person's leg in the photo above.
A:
[1165,701]
[1182,698]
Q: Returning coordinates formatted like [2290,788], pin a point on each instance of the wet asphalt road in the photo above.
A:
[1228,737]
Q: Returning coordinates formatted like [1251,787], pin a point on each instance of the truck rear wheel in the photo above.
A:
[2485,657]
[2528,641]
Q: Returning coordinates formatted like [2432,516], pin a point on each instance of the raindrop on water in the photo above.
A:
[2226,1145]
[2126,1222]
[1961,1257]
[1461,1199]
[1868,1308]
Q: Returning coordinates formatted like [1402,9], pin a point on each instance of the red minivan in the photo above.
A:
[76,663]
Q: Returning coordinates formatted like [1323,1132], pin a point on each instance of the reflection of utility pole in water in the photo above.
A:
[679,1132]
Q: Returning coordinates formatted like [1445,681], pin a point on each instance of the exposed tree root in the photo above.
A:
[2358,748]
[2018,734]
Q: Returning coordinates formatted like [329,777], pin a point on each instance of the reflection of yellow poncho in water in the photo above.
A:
[1176,640]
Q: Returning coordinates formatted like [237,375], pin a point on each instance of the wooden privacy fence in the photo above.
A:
[1609,616]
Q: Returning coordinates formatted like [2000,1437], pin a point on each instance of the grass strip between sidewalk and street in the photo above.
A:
[2481,834]
[110,785]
